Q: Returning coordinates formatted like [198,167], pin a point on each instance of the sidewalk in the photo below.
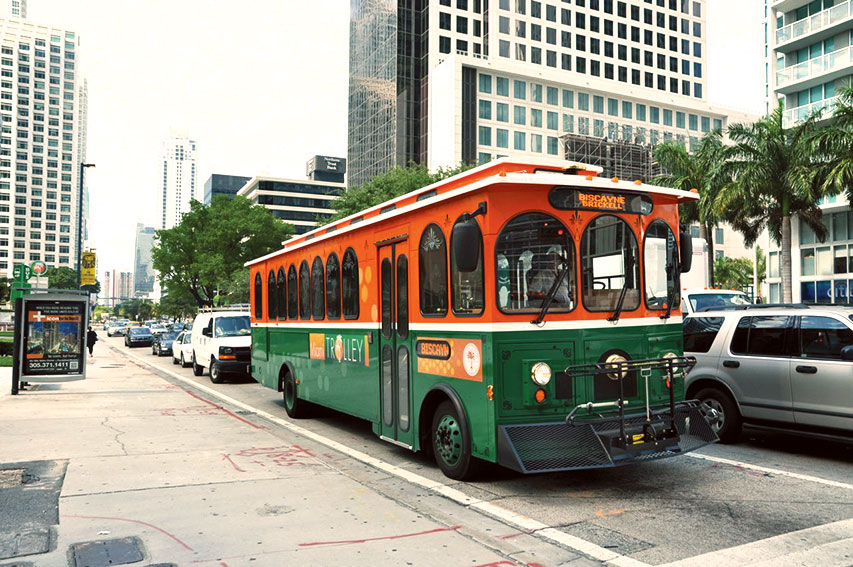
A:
[127,454]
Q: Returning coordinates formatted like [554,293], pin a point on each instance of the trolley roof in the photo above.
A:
[502,171]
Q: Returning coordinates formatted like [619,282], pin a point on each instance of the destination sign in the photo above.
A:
[573,199]
[439,350]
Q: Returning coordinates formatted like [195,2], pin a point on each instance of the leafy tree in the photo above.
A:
[835,143]
[179,304]
[6,289]
[398,181]
[761,272]
[775,175]
[703,170]
[732,273]
[200,255]
[236,289]
[66,278]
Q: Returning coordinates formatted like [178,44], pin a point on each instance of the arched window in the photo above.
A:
[349,284]
[271,295]
[259,296]
[318,290]
[467,291]
[531,253]
[660,257]
[402,296]
[304,291]
[432,272]
[282,294]
[292,294]
[610,265]
[333,287]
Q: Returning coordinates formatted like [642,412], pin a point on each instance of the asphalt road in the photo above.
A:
[723,496]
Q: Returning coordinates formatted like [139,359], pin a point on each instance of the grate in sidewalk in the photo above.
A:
[107,552]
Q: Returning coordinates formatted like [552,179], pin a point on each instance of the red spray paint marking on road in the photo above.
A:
[233,464]
[400,536]
[140,522]
[230,413]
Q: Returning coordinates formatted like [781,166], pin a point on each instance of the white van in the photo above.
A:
[221,343]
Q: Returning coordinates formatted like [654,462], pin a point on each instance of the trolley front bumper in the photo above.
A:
[551,447]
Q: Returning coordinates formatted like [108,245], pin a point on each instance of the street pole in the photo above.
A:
[83,167]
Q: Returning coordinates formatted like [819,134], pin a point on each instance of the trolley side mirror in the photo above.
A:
[466,240]
[685,248]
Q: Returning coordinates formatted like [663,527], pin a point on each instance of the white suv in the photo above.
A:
[788,367]
[700,299]
[221,343]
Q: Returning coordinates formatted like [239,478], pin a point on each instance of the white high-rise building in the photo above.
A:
[470,80]
[810,58]
[13,9]
[40,144]
[180,179]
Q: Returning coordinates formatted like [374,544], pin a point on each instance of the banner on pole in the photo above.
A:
[88,268]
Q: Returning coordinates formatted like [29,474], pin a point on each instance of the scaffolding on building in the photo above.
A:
[618,158]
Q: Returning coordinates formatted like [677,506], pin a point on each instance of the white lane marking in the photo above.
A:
[768,470]
[514,519]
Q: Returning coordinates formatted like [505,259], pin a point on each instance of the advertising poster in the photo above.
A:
[88,266]
[54,338]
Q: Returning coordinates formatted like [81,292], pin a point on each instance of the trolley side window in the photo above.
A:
[333,287]
[349,284]
[292,294]
[318,290]
[432,272]
[304,291]
[282,294]
[259,293]
[610,265]
[531,251]
[467,289]
[660,261]
[271,306]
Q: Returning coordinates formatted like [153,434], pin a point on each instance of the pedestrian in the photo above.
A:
[91,339]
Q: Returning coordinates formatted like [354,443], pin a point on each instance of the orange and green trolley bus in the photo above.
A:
[522,312]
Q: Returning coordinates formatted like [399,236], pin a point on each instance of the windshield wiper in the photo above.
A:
[618,312]
[552,292]
[670,295]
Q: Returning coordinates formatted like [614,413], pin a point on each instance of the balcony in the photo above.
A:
[820,69]
[800,113]
[813,24]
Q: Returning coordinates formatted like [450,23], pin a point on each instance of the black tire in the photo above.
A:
[197,370]
[451,444]
[295,408]
[174,360]
[215,373]
[729,426]
[183,361]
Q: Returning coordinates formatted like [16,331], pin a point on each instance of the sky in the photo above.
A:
[261,86]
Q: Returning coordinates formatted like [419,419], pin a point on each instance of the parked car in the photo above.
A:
[222,343]
[157,328]
[162,343]
[182,349]
[116,329]
[786,367]
[138,336]
[705,299]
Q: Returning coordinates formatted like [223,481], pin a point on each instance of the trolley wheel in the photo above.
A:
[728,425]
[197,370]
[215,373]
[451,444]
[295,408]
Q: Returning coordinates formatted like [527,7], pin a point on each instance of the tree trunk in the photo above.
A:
[706,232]
[787,296]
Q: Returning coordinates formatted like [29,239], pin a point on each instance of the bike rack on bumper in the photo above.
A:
[604,434]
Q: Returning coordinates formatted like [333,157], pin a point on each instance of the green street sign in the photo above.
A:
[22,272]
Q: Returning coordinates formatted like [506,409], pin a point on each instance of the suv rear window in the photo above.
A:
[762,336]
[700,332]
[823,337]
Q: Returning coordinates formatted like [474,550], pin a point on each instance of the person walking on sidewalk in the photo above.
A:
[91,339]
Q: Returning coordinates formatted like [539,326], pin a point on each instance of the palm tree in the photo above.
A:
[702,170]
[836,144]
[775,175]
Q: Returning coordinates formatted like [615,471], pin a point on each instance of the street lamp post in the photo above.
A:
[83,167]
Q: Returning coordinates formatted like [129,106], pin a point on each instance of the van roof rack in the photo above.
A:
[234,307]
[755,306]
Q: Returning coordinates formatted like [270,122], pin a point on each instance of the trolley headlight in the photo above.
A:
[540,374]
[670,355]
[614,359]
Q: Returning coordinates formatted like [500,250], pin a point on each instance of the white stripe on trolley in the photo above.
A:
[514,519]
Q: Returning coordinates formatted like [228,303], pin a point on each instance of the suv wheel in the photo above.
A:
[197,370]
[728,425]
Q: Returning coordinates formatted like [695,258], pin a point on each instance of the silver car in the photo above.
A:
[783,367]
